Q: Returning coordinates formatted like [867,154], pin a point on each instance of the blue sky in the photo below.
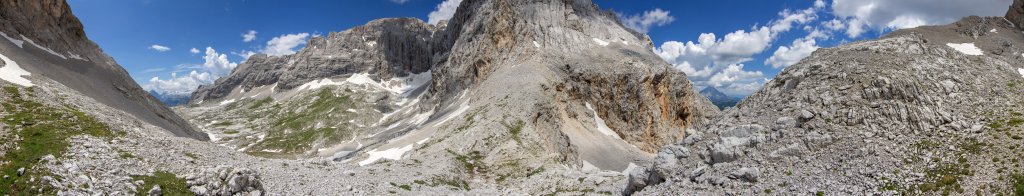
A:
[752,40]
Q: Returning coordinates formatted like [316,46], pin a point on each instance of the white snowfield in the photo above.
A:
[966,48]
[399,85]
[601,126]
[1021,71]
[600,42]
[15,41]
[393,154]
[13,73]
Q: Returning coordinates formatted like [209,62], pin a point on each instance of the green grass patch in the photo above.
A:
[514,129]
[260,103]
[190,155]
[296,131]
[44,131]
[945,178]
[223,124]
[454,183]
[1017,184]
[471,163]
[169,183]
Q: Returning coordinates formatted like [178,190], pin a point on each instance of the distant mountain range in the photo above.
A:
[718,98]
[170,99]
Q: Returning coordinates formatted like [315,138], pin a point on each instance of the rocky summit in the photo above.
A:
[514,98]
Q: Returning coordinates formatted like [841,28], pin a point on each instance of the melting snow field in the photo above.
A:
[393,154]
[229,101]
[15,41]
[966,48]
[600,42]
[601,126]
[12,72]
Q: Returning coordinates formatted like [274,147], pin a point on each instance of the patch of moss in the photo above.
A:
[44,130]
[454,183]
[471,163]
[945,178]
[1017,184]
[515,128]
[170,184]
[313,120]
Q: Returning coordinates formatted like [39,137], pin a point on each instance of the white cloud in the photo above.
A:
[285,44]
[734,80]
[215,65]
[713,61]
[862,15]
[179,84]
[399,1]
[159,48]
[651,18]
[444,11]
[194,51]
[245,54]
[789,55]
[249,36]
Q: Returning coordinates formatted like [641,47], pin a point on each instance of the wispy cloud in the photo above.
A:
[159,48]
[249,36]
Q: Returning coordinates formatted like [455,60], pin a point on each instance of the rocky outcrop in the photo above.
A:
[49,41]
[385,48]
[588,57]
[905,114]
[1016,14]
[225,180]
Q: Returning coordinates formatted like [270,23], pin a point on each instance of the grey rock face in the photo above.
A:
[874,117]
[52,44]
[386,48]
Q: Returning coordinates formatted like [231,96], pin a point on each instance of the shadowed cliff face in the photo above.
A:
[53,44]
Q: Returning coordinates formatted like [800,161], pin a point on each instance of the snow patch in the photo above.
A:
[462,109]
[229,101]
[13,73]
[316,84]
[966,48]
[536,45]
[43,48]
[993,31]
[601,126]
[423,141]
[600,42]
[1021,71]
[371,43]
[15,41]
[393,154]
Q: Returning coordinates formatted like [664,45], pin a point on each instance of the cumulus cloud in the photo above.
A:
[178,85]
[860,16]
[159,48]
[444,11]
[789,55]
[215,65]
[285,44]
[194,51]
[249,36]
[399,1]
[644,22]
[718,62]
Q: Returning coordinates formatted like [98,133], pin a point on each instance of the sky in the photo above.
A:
[173,46]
